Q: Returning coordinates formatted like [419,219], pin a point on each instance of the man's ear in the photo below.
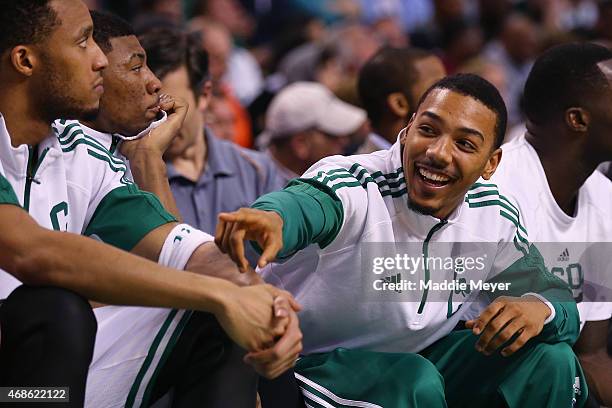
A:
[205,97]
[23,59]
[405,131]
[577,119]
[398,104]
[492,164]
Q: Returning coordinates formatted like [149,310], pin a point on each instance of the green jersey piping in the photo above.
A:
[72,136]
[389,184]
[487,195]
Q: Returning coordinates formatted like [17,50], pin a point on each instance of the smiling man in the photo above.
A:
[427,196]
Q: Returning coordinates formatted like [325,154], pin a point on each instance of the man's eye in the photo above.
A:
[466,145]
[137,69]
[83,43]
[428,130]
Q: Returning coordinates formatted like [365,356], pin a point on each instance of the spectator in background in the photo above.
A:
[445,12]
[305,123]
[231,23]
[390,85]
[231,14]
[217,42]
[313,62]
[207,175]
[491,71]
[462,41]
[170,10]
[293,31]
[492,14]
[356,44]
[220,118]
[347,46]
[333,62]
[495,74]
[389,32]
[515,50]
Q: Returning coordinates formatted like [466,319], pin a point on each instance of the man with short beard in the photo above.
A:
[386,337]
[48,333]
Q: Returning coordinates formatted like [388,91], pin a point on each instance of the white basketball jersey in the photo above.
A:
[577,248]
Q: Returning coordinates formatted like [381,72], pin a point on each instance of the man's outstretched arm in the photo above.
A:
[208,260]
[282,222]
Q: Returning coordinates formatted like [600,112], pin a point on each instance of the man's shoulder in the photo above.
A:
[361,166]
[359,173]
[519,175]
[245,161]
[67,132]
[518,158]
[79,146]
[253,158]
[493,213]
[598,190]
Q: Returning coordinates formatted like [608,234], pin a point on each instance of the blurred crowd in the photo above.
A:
[258,47]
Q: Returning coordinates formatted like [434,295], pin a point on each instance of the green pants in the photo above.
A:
[448,373]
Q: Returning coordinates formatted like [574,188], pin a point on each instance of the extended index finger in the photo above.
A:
[241,215]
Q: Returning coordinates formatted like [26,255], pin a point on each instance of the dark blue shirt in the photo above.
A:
[233,177]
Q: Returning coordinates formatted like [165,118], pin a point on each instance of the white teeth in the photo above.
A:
[432,176]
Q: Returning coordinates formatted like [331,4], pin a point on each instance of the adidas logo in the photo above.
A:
[394,279]
[564,257]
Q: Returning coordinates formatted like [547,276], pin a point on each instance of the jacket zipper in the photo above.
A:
[33,165]
[433,230]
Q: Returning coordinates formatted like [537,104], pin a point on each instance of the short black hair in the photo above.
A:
[108,26]
[25,22]
[564,76]
[169,48]
[389,70]
[483,91]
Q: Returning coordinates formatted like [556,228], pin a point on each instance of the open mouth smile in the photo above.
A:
[432,178]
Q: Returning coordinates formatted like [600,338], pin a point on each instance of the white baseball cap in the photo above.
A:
[310,105]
